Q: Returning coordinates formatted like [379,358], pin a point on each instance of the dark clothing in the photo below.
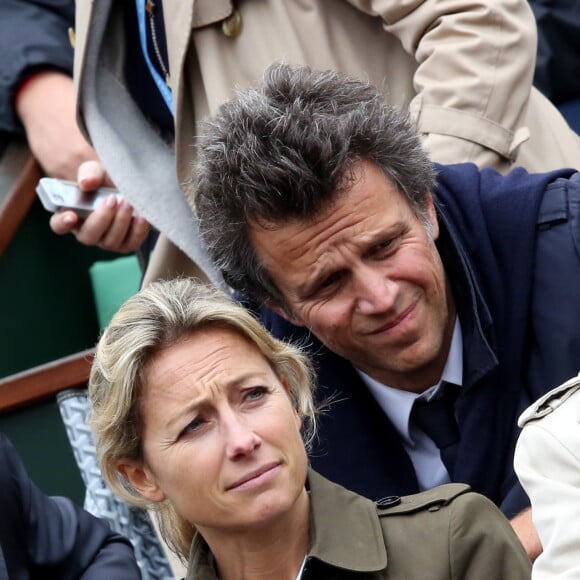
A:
[49,537]
[557,72]
[509,245]
[33,37]
[139,80]
[443,533]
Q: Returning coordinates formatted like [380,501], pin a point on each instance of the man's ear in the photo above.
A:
[431,215]
[142,480]
[284,314]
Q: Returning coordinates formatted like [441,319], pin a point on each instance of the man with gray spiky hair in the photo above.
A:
[436,299]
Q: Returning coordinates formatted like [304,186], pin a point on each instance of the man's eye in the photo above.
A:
[329,281]
[384,245]
[384,249]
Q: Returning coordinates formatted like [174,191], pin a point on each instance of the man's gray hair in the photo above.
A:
[285,150]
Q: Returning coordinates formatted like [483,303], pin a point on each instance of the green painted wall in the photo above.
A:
[46,312]
[38,434]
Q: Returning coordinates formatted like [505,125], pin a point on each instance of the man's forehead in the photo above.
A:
[303,248]
[361,174]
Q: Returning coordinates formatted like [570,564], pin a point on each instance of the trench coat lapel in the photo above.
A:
[178,20]
[127,143]
[345,532]
[345,529]
[83,18]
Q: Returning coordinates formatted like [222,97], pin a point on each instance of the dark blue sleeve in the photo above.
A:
[51,537]
[33,36]
[555,329]
[557,72]
[515,501]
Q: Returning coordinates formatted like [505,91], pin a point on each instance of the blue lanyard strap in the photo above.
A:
[161,85]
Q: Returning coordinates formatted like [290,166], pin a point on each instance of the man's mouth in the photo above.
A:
[394,322]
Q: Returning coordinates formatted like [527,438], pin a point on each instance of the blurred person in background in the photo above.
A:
[547,462]
[37,102]
[557,72]
[50,537]
[464,70]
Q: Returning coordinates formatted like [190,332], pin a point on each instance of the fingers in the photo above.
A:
[92,175]
[64,222]
[136,236]
[91,231]
[126,232]
[112,226]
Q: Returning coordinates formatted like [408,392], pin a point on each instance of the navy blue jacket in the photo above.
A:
[557,72]
[33,37]
[496,242]
[49,537]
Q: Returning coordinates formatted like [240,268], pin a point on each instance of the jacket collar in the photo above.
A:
[479,356]
[345,532]
[178,18]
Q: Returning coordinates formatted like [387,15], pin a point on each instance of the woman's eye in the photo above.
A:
[194,425]
[255,393]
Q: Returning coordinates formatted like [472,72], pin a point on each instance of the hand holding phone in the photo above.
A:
[56,194]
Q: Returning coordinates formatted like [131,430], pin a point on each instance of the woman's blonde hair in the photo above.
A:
[154,319]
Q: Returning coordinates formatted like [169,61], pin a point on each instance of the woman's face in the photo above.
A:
[221,438]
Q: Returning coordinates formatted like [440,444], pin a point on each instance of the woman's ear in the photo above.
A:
[297,417]
[141,479]
[298,420]
[286,386]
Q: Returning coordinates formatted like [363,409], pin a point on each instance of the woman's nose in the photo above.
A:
[241,438]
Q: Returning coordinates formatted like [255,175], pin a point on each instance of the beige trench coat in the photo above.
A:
[463,67]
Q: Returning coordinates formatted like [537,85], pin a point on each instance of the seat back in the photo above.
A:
[131,522]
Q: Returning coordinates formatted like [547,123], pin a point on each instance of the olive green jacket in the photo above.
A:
[445,533]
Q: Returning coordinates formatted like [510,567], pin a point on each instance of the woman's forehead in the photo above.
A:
[208,356]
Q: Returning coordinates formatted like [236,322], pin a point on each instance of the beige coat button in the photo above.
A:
[233,24]
[71,36]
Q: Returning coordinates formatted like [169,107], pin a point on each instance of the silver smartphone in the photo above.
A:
[56,194]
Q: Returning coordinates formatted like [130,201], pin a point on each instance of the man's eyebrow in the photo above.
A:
[307,287]
[387,232]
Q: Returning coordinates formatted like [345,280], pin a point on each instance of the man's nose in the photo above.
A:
[375,292]
[241,438]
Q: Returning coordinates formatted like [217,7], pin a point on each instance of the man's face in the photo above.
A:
[366,278]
